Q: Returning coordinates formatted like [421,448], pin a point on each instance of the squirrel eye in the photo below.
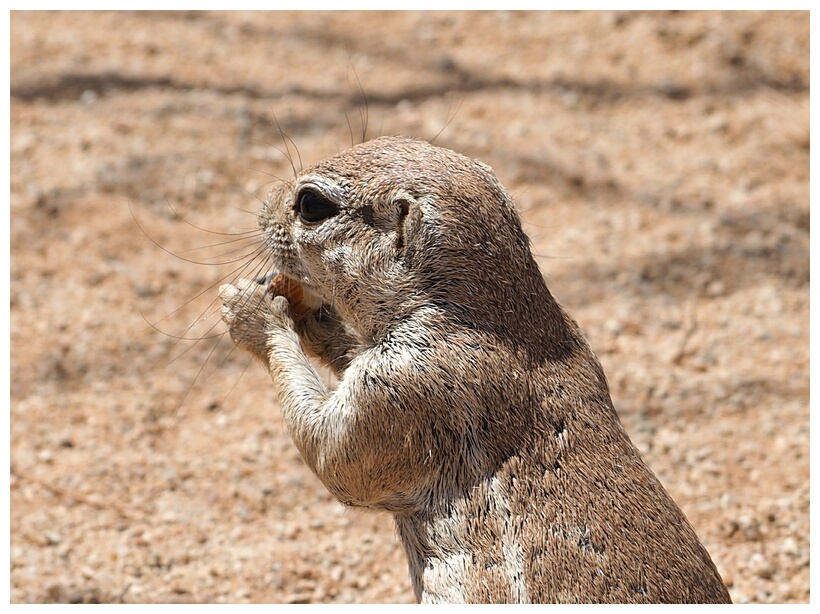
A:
[314,208]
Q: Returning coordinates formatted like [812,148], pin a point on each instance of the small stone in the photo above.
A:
[744,527]
[672,90]
[761,566]
[739,597]
[298,598]
[88,97]
[790,547]
[87,573]
[718,123]
[715,288]
[52,538]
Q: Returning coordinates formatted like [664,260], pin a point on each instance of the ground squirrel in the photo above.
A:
[469,403]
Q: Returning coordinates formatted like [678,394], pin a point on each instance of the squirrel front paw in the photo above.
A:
[251,314]
[245,308]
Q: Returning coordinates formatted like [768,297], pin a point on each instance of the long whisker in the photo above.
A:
[268,173]
[238,379]
[185,220]
[250,236]
[261,251]
[198,375]
[448,118]
[182,336]
[364,112]
[163,248]
[286,139]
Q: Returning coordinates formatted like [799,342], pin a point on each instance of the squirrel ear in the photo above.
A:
[409,228]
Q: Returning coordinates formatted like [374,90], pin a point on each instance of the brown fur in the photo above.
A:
[470,405]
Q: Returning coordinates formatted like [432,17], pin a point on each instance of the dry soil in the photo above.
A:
[661,162]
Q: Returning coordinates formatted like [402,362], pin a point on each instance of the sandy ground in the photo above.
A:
[661,162]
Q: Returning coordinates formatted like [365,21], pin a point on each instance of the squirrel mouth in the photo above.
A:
[264,280]
[294,291]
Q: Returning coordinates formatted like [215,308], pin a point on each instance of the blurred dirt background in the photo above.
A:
[661,161]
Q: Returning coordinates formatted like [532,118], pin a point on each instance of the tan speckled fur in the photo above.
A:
[469,404]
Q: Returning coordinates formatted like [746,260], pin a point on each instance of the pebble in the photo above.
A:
[716,288]
[717,123]
[790,547]
[52,538]
[88,97]
[303,597]
[761,566]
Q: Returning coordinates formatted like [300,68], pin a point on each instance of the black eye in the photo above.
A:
[312,207]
